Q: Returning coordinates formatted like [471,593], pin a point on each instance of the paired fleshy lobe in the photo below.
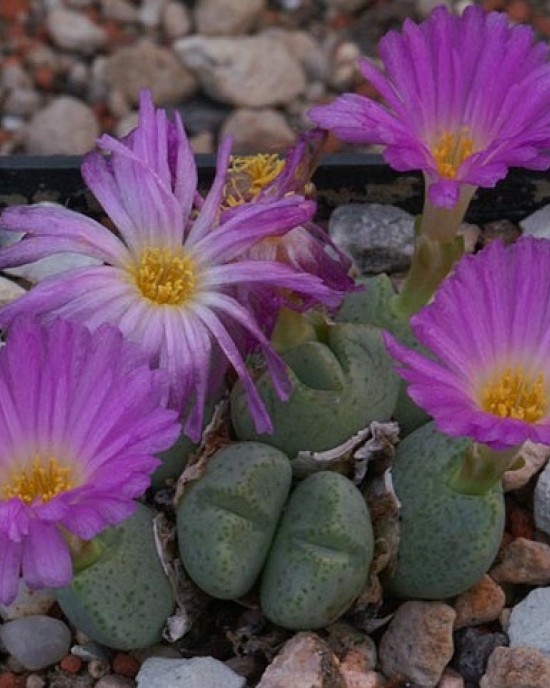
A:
[170,281]
[81,417]
[463,99]
[486,373]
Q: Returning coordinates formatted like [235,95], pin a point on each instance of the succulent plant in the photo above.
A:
[373,306]
[321,553]
[123,599]
[339,386]
[448,539]
[226,518]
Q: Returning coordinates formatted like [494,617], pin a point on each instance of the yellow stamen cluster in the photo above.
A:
[513,394]
[450,152]
[248,175]
[42,481]
[165,277]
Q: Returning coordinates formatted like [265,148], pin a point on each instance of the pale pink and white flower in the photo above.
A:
[169,279]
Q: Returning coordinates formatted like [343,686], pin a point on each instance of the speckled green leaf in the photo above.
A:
[321,553]
[226,518]
[448,539]
[123,599]
[338,388]
[372,305]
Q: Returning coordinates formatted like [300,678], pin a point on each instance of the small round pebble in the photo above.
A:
[473,647]
[98,668]
[115,681]
[125,665]
[36,641]
[35,681]
[71,664]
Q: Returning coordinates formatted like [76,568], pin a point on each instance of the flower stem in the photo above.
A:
[431,263]
[482,468]
[84,553]
[437,248]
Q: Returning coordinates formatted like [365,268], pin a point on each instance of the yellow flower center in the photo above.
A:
[248,175]
[513,394]
[42,481]
[451,150]
[165,277]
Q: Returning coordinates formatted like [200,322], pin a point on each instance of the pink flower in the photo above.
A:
[169,280]
[486,371]
[465,98]
[80,421]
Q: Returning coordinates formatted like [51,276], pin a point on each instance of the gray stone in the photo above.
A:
[150,12]
[541,501]
[254,71]
[45,136]
[176,21]
[538,223]
[115,681]
[119,10]
[72,30]
[343,65]
[35,681]
[473,649]
[516,667]
[378,238]
[530,622]
[36,641]
[418,643]
[227,17]
[22,102]
[146,65]
[199,672]
[306,49]
[258,131]
[13,76]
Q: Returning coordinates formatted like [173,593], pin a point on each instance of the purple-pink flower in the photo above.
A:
[80,420]
[464,98]
[486,372]
[169,279]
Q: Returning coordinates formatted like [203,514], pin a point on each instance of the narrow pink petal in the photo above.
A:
[73,231]
[10,567]
[232,309]
[154,210]
[210,210]
[252,223]
[46,561]
[257,407]
[271,273]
